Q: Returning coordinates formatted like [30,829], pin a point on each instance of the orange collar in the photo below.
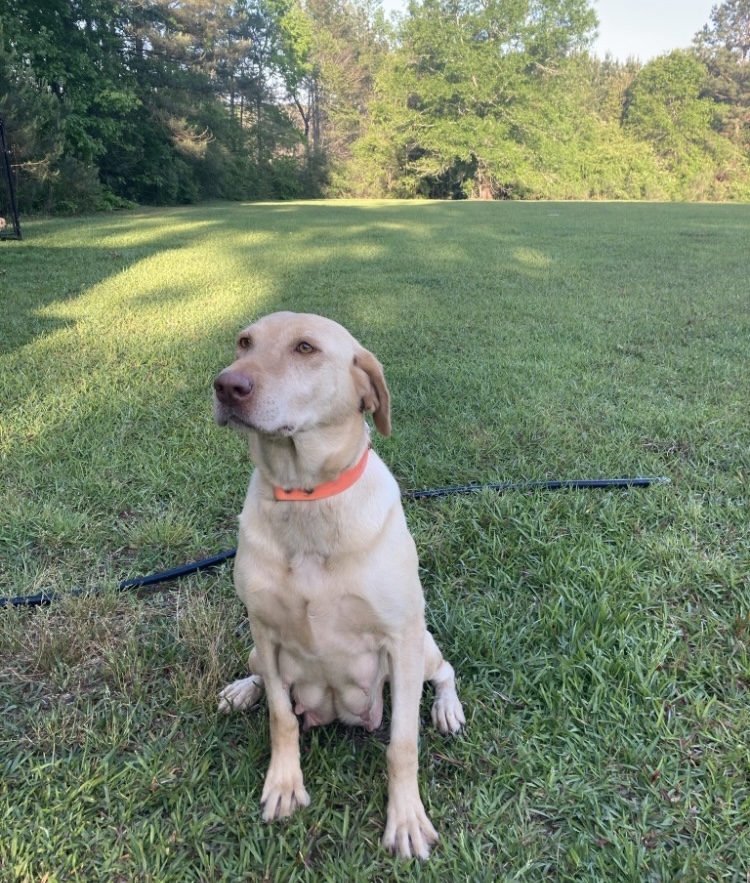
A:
[329,488]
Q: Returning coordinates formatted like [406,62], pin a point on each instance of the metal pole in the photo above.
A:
[8,175]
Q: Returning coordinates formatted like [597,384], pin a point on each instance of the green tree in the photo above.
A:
[346,42]
[724,47]
[164,101]
[73,46]
[183,143]
[729,30]
[573,135]
[34,127]
[454,112]
[667,108]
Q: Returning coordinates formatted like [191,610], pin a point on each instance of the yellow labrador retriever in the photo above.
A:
[325,563]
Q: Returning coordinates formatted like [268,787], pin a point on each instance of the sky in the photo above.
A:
[642,29]
[647,28]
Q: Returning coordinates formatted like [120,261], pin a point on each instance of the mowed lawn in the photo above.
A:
[600,637]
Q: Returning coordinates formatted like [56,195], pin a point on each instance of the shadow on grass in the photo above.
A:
[506,331]
[126,319]
[329,254]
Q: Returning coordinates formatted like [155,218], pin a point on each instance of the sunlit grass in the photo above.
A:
[601,638]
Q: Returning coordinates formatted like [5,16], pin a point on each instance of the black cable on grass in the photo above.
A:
[126,585]
[43,598]
[569,484]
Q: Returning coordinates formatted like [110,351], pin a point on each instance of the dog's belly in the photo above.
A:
[327,624]
[335,686]
[332,659]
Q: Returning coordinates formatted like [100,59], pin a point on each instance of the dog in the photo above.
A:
[325,563]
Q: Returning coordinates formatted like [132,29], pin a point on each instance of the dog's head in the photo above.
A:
[294,372]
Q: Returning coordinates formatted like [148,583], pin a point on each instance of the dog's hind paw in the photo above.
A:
[240,694]
[447,712]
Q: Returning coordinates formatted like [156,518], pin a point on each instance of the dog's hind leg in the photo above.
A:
[447,713]
[243,693]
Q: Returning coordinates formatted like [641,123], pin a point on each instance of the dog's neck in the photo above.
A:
[306,461]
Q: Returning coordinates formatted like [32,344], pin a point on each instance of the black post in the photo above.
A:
[7,174]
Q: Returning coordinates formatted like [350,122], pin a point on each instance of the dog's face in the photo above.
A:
[294,372]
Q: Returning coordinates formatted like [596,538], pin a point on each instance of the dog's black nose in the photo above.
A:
[233,388]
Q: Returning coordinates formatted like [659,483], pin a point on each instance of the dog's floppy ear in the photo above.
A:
[372,389]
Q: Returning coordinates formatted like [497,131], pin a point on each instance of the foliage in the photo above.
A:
[724,47]
[34,121]
[729,30]
[162,102]
[664,103]
[666,108]
[489,101]
[141,90]
[347,47]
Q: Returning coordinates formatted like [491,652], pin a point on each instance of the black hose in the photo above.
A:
[569,484]
[177,573]
[153,579]
[126,585]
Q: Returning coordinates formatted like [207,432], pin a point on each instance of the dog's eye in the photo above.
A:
[305,348]
[244,343]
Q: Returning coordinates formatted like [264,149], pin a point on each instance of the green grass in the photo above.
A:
[601,638]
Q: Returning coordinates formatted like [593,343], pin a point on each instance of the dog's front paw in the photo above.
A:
[240,694]
[283,793]
[408,831]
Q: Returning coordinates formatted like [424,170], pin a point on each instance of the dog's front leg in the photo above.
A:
[408,831]
[284,789]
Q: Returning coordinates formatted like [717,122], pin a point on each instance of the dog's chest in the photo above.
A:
[316,614]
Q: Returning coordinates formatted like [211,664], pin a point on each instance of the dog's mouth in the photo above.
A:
[226,415]
[237,421]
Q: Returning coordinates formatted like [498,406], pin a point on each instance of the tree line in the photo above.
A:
[110,103]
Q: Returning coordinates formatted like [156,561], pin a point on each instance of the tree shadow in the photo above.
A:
[116,450]
[485,318]
[60,261]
